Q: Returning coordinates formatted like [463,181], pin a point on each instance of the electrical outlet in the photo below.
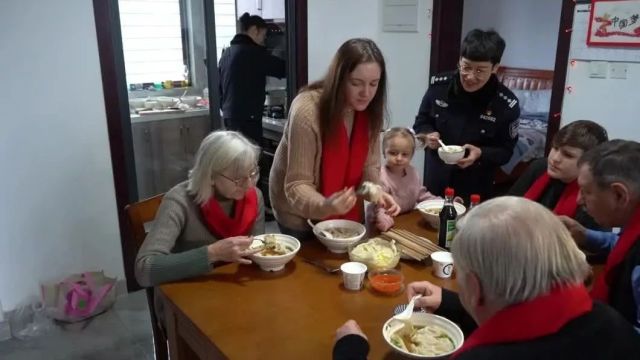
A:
[598,69]
[618,70]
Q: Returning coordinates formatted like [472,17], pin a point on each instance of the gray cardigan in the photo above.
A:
[176,246]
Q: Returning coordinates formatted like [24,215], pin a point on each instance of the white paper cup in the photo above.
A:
[442,264]
[353,275]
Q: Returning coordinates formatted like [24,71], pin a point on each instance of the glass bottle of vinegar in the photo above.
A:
[448,216]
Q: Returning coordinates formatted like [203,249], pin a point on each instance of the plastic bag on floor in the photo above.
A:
[30,320]
[79,296]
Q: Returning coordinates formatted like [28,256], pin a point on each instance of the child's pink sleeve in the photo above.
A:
[425,195]
[376,216]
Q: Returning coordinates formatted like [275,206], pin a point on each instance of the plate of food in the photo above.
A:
[376,253]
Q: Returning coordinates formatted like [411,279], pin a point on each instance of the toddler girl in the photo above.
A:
[398,177]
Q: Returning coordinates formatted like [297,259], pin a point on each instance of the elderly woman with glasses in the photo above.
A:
[471,108]
[208,218]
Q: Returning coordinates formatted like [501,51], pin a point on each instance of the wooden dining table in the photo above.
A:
[241,312]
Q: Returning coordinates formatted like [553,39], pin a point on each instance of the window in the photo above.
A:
[152,41]
[225,11]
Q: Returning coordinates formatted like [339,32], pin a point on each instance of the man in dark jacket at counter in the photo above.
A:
[525,293]
[471,108]
[243,69]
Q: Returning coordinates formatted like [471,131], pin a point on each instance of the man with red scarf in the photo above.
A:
[609,182]
[524,292]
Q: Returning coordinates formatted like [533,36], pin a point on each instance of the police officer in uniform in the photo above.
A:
[470,108]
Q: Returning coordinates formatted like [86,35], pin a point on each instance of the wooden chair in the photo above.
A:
[139,214]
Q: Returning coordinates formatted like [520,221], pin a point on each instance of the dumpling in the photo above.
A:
[370,191]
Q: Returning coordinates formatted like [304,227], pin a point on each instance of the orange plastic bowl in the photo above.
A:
[388,282]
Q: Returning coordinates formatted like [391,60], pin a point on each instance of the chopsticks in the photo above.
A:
[412,245]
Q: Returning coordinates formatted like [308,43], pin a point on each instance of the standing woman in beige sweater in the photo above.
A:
[331,142]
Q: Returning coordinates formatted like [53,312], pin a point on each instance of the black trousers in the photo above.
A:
[249,126]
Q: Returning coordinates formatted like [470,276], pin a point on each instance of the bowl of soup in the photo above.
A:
[430,211]
[423,336]
[338,234]
[451,154]
[277,251]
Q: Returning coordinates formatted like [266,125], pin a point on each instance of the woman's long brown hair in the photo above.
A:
[332,100]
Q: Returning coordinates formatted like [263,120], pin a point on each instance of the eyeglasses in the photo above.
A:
[477,72]
[251,179]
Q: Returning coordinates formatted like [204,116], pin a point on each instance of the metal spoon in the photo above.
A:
[321,265]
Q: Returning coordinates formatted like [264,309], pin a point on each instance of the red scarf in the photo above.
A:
[630,233]
[544,315]
[223,226]
[568,202]
[343,161]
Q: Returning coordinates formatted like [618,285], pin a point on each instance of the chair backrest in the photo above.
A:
[139,214]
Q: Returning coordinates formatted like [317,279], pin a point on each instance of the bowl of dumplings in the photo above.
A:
[277,251]
[451,154]
[337,235]
[423,336]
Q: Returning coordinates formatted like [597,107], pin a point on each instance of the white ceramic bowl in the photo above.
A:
[423,319]
[338,246]
[275,263]
[451,157]
[434,220]
[137,103]
[165,101]
[190,100]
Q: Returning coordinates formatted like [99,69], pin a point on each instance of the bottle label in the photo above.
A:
[451,232]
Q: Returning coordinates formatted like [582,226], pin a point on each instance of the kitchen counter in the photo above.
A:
[135,118]
[273,124]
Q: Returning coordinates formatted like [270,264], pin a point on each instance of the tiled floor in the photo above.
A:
[122,333]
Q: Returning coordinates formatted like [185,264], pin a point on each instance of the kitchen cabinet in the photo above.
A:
[273,9]
[267,9]
[164,151]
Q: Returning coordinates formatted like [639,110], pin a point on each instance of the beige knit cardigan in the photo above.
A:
[294,181]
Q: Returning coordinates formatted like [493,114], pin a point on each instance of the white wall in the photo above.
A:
[529,27]
[613,103]
[57,210]
[331,22]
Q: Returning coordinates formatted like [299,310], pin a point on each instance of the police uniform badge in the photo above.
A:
[441,103]
[513,128]
[487,116]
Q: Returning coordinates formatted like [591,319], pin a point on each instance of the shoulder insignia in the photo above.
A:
[439,79]
[510,102]
[441,103]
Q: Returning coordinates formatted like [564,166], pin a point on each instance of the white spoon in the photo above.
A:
[404,316]
[408,311]
[444,147]
[322,232]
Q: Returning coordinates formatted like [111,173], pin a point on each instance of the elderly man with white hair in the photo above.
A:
[520,278]
[609,182]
